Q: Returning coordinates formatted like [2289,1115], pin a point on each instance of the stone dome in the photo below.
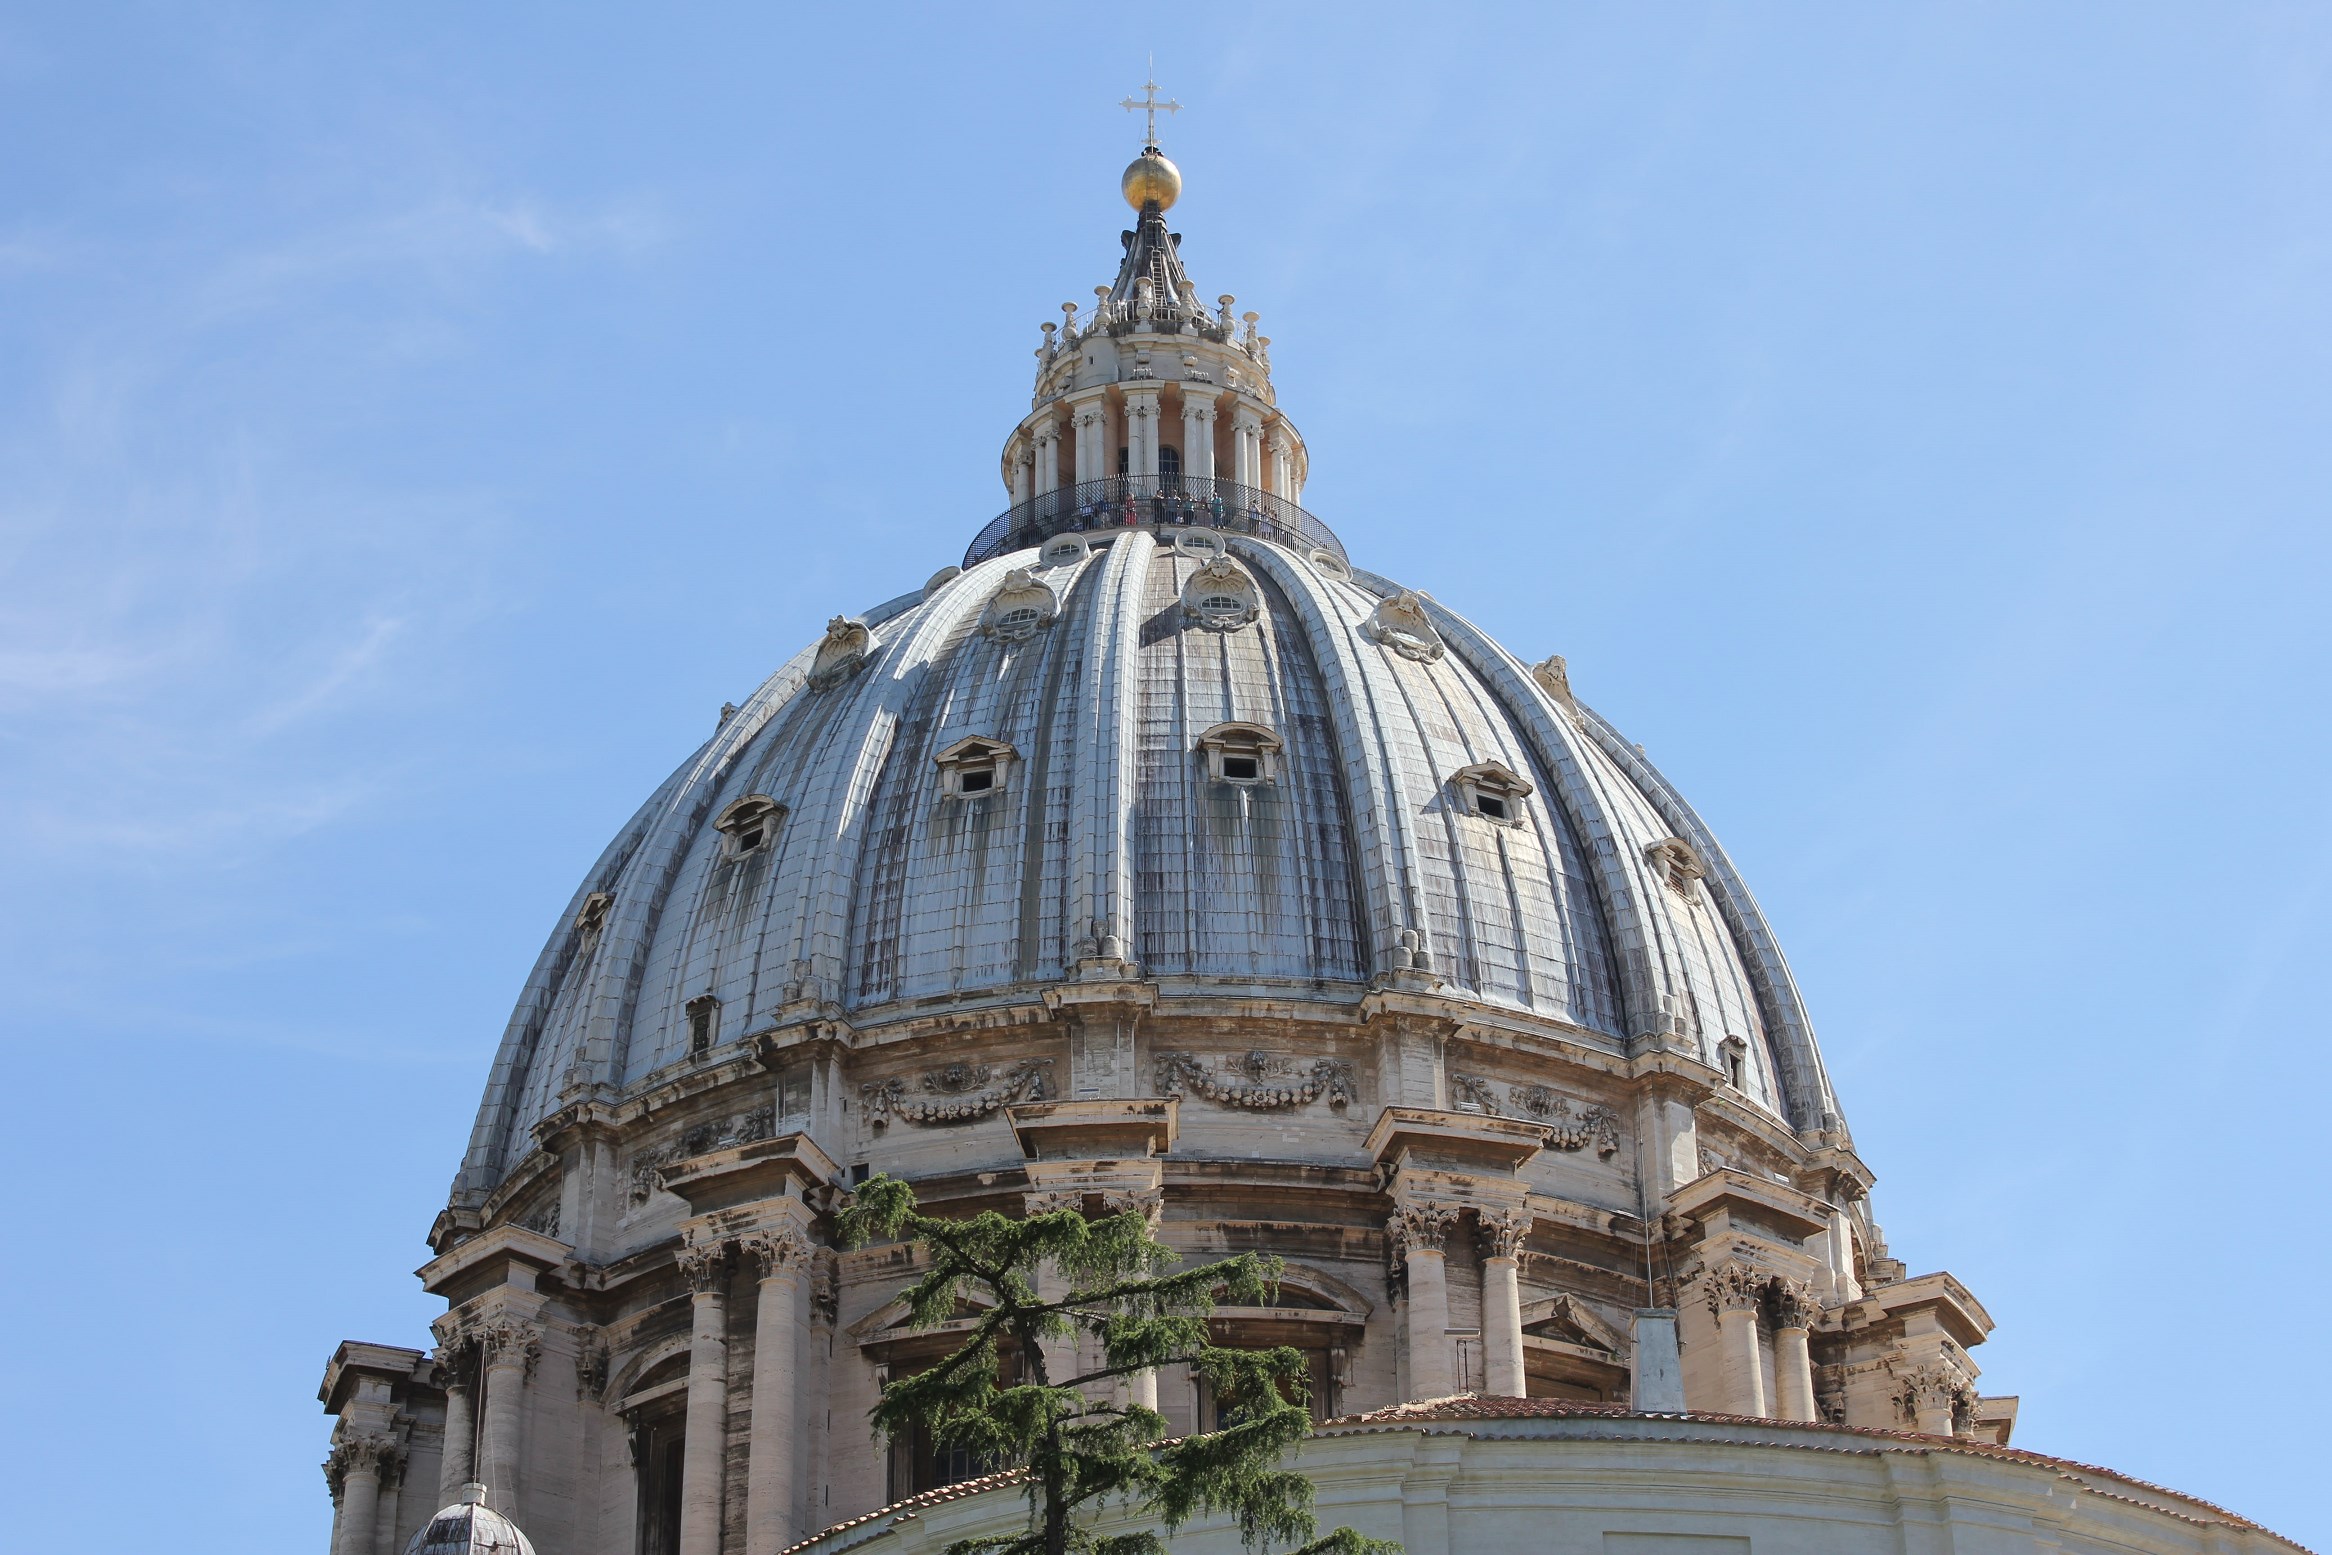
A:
[1015,778]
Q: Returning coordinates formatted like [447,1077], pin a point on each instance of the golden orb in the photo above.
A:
[1150,177]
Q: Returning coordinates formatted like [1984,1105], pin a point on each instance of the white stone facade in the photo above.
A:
[1155,858]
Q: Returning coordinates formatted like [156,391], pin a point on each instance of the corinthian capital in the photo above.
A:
[1794,1304]
[1420,1227]
[1503,1234]
[457,1359]
[509,1341]
[1733,1287]
[769,1254]
[705,1266]
[1149,1203]
[380,1456]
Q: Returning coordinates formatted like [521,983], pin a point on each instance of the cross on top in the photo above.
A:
[1149,104]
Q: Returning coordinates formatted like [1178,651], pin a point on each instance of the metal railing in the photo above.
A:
[1120,502]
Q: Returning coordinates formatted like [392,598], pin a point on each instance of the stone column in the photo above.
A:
[1502,1368]
[457,1467]
[778,1259]
[359,1463]
[1417,1231]
[1023,475]
[1283,467]
[1142,431]
[511,1349]
[1794,1312]
[1060,1355]
[1735,1292]
[1198,438]
[1093,461]
[1141,1387]
[706,1268]
[1247,446]
[1048,454]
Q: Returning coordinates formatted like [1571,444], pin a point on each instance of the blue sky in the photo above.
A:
[1910,421]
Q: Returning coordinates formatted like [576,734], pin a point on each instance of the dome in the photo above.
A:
[469,1527]
[968,795]
[1156,858]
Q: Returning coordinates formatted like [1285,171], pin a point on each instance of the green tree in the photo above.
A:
[1082,1444]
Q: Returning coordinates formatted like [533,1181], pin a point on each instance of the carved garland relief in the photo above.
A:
[958,1093]
[1257,1080]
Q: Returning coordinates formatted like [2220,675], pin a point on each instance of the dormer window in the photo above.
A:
[1493,791]
[1241,753]
[704,1024]
[748,825]
[1676,862]
[974,768]
[1062,551]
[593,917]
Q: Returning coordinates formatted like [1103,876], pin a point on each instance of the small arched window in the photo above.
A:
[748,825]
[1241,753]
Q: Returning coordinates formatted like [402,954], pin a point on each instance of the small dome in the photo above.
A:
[470,1527]
[1151,179]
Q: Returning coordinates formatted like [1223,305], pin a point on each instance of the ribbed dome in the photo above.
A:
[469,1527]
[819,853]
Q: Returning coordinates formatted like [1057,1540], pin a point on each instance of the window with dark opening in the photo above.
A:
[975,780]
[1169,462]
[1242,769]
[703,1024]
[1490,806]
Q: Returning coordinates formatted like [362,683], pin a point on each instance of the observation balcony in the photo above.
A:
[1119,502]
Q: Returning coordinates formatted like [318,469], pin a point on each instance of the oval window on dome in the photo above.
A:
[1221,596]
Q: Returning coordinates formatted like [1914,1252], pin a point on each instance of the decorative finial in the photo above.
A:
[1150,105]
[1151,179]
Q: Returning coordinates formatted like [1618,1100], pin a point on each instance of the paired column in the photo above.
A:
[1247,446]
[1048,455]
[1418,1231]
[1735,1292]
[1142,431]
[456,1467]
[511,1349]
[1502,1368]
[1092,433]
[1198,439]
[1023,476]
[706,1268]
[779,1260]
[1794,1313]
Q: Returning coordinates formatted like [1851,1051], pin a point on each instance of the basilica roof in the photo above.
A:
[1202,758]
